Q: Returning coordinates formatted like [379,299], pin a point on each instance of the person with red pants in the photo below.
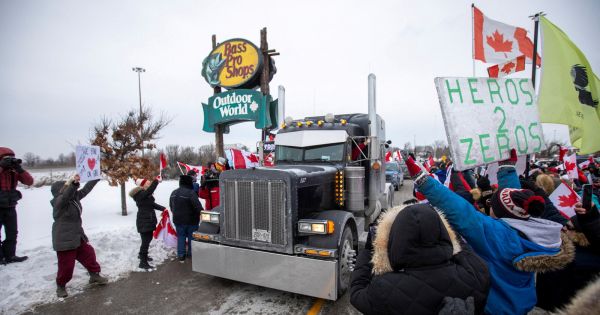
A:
[209,187]
[11,172]
[68,238]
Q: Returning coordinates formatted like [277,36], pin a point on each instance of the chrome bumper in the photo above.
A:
[313,277]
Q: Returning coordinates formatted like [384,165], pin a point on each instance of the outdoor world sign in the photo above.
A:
[235,63]
[239,105]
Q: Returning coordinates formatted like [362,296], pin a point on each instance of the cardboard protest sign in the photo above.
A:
[87,162]
[486,117]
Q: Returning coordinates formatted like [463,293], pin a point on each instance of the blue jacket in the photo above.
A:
[512,291]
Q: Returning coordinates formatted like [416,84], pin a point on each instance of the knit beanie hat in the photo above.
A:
[141,182]
[517,204]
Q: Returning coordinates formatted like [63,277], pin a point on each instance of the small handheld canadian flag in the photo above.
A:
[165,231]
[570,162]
[163,165]
[564,199]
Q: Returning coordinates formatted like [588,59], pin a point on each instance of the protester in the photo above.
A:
[416,260]
[209,188]
[195,184]
[146,218]
[513,241]
[11,172]
[68,238]
[186,208]
[555,289]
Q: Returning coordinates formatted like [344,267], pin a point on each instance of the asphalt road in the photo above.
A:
[175,289]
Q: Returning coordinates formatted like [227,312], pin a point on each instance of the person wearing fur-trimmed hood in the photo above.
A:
[416,261]
[146,218]
[513,241]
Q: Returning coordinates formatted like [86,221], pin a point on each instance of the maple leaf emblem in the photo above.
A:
[253,158]
[569,166]
[508,67]
[253,106]
[568,201]
[497,42]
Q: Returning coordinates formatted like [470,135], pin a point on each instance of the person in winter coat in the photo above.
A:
[68,238]
[555,289]
[513,242]
[11,172]
[417,260]
[209,188]
[146,218]
[186,208]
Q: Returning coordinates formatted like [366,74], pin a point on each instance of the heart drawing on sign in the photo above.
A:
[91,163]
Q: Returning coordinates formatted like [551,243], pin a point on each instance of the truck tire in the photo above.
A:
[347,255]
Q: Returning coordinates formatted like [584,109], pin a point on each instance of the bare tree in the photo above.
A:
[30,159]
[121,142]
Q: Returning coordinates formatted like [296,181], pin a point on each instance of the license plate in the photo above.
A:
[261,235]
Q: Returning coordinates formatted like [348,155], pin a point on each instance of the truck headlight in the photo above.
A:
[209,216]
[316,226]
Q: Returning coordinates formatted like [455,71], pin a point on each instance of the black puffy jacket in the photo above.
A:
[184,203]
[146,218]
[417,261]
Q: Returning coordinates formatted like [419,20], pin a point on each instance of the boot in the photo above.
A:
[61,291]
[14,259]
[96,278]
[148,259]
[144,263]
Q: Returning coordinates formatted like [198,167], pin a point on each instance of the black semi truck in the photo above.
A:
[295,226]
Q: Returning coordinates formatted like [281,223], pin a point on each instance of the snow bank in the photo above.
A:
[114,237]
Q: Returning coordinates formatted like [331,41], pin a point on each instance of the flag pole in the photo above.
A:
[473,37]
[536,19]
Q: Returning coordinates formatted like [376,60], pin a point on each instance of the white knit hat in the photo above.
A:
[141,182]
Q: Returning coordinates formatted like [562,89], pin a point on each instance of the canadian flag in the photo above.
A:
[504,69]
[398,155]
[496,42]
[562,151]
[429,163]
[570,163]
[198,169]
[163,165]
[564,199]
[165,231]
[388,156]
[239,159]
[270,159]
[586,163]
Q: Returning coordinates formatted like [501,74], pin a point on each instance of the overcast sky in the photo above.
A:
[65,64]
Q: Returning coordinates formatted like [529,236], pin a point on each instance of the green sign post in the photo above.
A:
[236,106]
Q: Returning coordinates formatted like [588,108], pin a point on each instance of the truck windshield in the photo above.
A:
[329,152]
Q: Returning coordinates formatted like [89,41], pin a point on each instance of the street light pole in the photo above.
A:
[139,70]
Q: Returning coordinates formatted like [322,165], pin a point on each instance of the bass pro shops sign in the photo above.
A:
[237,106]
[235,63]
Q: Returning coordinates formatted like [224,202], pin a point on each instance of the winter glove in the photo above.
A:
[370,236]
[73,180]
[413,168]
[458,306]
[18,168]
[512,160]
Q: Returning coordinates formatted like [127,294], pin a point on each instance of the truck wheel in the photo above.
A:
[347,257]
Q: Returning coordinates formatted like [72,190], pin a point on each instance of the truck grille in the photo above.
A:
[254,211]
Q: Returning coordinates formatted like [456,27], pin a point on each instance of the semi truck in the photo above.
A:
[296,226]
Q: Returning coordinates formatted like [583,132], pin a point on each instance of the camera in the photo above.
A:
[10,162]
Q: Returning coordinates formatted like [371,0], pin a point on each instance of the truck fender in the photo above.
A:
[340,219]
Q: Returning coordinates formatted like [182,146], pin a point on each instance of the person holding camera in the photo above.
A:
[209,187]
[11,172]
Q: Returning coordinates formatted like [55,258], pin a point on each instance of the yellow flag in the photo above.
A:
[569,89]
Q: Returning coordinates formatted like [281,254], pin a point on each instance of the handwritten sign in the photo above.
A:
[87,162]
[486,117]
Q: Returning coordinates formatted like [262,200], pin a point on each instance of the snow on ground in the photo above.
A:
[114,237]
